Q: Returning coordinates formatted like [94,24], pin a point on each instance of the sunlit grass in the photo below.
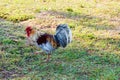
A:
[16,10]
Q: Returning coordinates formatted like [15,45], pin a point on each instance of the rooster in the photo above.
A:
[47,42]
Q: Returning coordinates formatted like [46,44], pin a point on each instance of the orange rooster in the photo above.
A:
[47,42]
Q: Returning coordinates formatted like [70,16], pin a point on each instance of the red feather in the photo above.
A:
[28,30]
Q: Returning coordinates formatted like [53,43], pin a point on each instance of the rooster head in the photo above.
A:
[29,31]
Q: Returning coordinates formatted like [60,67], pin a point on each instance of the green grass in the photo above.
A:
[94,53]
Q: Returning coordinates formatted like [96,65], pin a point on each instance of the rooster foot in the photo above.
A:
[39,53]
[48,58]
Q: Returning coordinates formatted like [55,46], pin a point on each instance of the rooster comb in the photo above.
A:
[28,28]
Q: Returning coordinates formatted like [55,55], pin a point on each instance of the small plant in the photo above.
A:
[37,10]
[21,17]
[70,10]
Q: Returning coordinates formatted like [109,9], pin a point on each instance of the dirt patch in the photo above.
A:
[44,20]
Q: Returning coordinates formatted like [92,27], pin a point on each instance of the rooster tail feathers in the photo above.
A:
[63,35]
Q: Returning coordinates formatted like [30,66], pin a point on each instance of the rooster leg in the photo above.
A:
[48,58]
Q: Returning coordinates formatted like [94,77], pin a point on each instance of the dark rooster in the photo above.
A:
[47,42]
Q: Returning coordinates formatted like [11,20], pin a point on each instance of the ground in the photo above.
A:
[94,53]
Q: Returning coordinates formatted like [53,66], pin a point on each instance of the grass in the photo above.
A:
[93,54]
[22,10]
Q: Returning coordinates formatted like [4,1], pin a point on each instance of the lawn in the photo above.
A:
[94,53]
